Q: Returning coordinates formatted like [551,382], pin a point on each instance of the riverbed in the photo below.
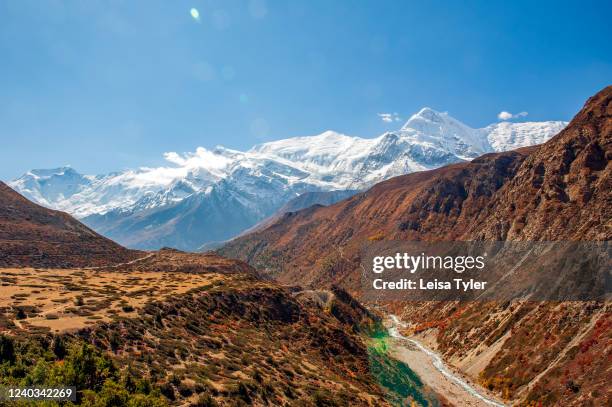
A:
[430,367]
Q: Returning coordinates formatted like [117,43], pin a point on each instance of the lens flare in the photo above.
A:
[195,14]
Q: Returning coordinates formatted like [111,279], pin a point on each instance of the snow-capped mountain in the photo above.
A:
[212,195]
[507,136]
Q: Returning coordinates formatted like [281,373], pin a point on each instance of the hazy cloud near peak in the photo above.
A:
[503,115]
[389,117]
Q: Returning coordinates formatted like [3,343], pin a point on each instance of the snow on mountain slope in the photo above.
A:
[47,187]
[441,130]
[215,194]
[506,136]
[82,195]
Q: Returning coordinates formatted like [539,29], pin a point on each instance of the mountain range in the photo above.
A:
[177,328]
[529,352]
[129,328]
[213,195]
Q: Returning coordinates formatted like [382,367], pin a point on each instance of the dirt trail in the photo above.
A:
[127,263]
[432,370]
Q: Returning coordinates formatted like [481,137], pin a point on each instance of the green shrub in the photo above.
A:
[58,347]
[111,395]
[7,349]
[34,362]
[204,400]
[20,314]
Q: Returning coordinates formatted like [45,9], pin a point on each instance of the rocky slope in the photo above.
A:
[34,236]
[172,328]
[319,245]
[209,196]
[561,190]
[303,201]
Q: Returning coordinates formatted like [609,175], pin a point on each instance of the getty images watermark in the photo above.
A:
[409,263]
[486,271]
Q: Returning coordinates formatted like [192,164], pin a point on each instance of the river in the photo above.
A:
[433,371]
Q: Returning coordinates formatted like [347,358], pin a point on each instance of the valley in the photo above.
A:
[262,203]
[430,367]
[526,352]
[273,317]
[130,328]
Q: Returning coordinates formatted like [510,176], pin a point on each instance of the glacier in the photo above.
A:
[214,194]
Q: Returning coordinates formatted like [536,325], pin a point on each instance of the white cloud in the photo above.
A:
[211,162]
[503,115]
[202,158]
[389,117]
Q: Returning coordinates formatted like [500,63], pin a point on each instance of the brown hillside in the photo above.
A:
[168,327]
[311,246]
[560,190]
[195,327]
[563,191]
[532,353]
[34,236]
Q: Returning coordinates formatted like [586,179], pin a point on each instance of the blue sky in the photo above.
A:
[107,85]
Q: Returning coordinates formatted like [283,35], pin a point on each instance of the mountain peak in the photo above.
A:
[429,113]
[331,133]
[66,169]
[429,126]
[426,114]
[293,147]
[239,188]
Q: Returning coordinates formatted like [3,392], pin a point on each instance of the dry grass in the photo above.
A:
[64,300]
